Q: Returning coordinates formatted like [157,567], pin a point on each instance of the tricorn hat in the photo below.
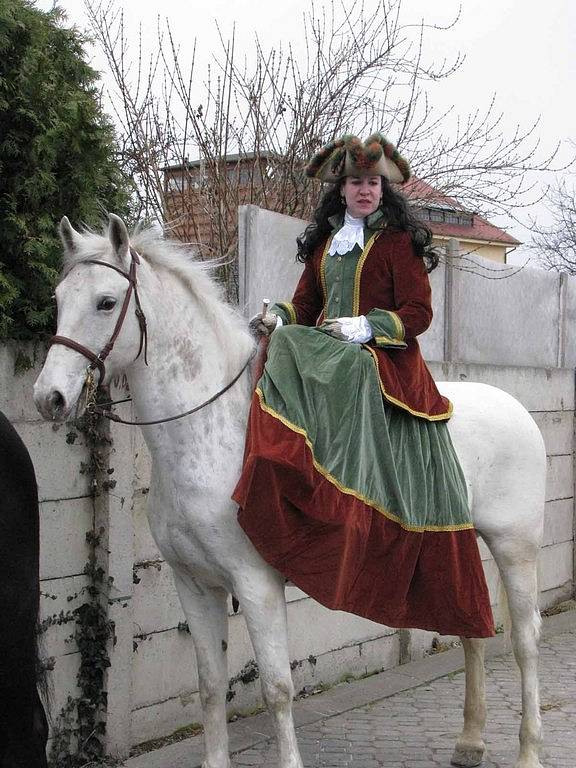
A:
[349,156]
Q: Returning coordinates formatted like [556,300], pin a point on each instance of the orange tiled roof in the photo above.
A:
[479,229]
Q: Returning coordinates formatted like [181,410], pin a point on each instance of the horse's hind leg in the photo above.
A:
[206,612]
[470,747]
[263,604]
[517,561]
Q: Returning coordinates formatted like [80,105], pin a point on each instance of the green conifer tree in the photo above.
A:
[57,156]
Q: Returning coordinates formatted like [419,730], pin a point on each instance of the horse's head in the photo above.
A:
[96,291]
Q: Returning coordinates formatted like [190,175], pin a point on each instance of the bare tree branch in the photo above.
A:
[364,69]
[555,245]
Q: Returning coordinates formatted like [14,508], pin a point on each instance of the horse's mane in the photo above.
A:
[183,262]
[164,254]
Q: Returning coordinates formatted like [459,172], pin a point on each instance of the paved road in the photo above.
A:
[416,724]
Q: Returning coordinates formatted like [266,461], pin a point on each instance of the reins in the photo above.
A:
[100,410]
[97,360]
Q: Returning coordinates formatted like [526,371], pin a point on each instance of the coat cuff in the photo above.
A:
[387,327]
[286,311]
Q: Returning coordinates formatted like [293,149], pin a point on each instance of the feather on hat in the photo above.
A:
[349,156]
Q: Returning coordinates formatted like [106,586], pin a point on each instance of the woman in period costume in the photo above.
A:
[351,487]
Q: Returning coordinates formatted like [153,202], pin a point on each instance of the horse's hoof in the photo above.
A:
[468,757]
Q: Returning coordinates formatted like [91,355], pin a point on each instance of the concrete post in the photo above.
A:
[574,507]
[113,514]
[562,290]
[246,215]
[453,250]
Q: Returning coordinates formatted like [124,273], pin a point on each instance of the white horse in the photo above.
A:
[198,344]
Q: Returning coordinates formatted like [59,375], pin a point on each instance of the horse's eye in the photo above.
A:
[107,303]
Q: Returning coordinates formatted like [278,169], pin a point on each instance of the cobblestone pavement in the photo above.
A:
[418,727]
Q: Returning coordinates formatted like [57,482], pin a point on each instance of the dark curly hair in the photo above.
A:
[397,214]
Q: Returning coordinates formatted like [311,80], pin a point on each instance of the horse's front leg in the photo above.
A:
[205,608]
[470,747]
[262,600]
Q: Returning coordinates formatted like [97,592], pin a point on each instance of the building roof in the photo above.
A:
[445,216]
[263,154]
[473,226]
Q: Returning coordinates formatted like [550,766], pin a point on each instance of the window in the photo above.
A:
[180,182]
[244,174]
[174,183]
[444,216]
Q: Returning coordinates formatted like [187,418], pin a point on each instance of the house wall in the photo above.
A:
[491,252]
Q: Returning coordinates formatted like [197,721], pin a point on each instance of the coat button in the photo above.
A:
[336,299]
[339,258]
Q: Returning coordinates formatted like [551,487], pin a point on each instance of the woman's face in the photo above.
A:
[362,194]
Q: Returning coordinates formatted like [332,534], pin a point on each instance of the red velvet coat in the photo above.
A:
[389,276]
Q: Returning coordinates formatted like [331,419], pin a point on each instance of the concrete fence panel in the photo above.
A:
[568,359]
[504,316]
[266,257]
[16,387]
[432,341]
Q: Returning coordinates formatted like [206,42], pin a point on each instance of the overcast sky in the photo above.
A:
[521,50]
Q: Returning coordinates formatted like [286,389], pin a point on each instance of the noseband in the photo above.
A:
[97,360]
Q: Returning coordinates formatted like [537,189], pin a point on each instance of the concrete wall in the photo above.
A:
[266,256]
[516,333]
[504,315]
[484,312]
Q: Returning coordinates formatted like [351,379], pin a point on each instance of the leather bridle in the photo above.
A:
[97,360]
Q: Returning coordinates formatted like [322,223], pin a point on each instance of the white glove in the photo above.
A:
[264,326]
[353,329]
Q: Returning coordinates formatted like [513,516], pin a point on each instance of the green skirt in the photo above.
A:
[359,503]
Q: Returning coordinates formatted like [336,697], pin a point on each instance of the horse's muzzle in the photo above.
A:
[51,404]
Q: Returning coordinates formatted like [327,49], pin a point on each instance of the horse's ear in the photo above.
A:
[68,235]
[119,238]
